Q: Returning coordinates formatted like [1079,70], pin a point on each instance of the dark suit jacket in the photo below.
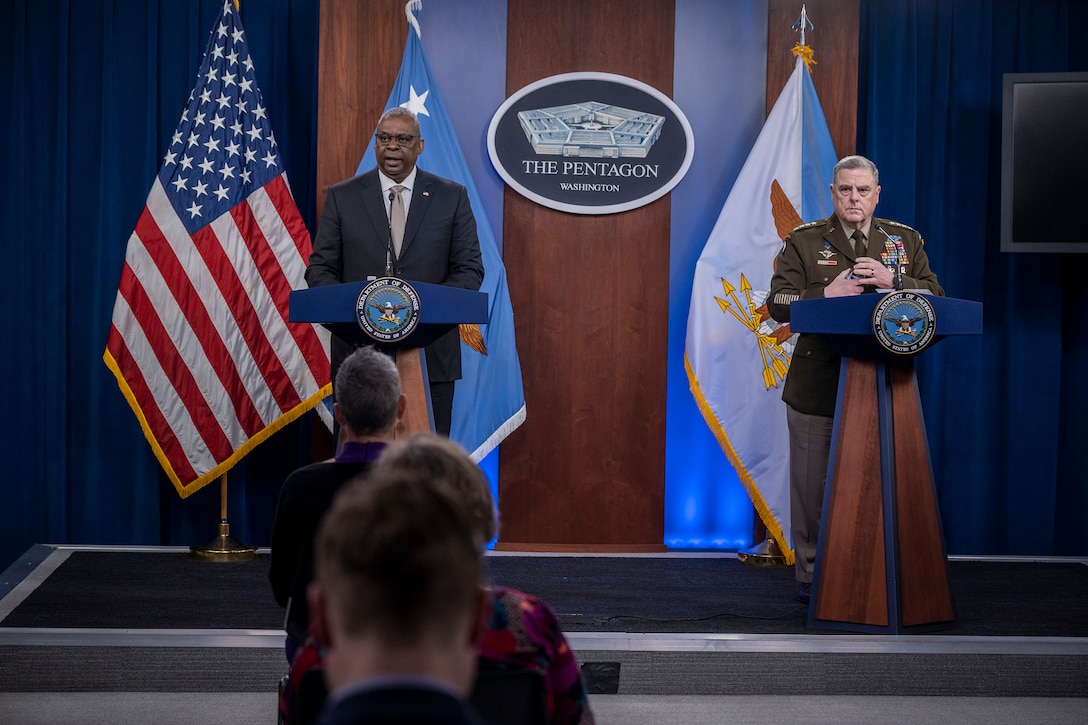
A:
[813,255]
[304,498]
[440,247]
[401,706]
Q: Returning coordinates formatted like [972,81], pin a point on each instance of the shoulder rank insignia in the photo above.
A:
[889,222]
[817,223]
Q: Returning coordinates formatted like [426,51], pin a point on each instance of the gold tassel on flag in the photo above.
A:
[471,336]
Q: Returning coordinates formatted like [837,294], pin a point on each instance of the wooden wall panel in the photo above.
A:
[834,41]
[835,75]
[586,470]
[359,54]
[361,45]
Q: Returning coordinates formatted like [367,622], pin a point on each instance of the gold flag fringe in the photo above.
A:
[805,51]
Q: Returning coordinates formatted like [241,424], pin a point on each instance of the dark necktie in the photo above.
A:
[859,243]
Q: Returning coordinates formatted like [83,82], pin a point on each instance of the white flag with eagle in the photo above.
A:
[736,356]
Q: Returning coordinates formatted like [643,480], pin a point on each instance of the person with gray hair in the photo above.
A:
[849,253]
[368,406]
[368,395]
[397,220]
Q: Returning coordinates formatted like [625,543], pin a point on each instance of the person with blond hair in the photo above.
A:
[522,632]
[397,603]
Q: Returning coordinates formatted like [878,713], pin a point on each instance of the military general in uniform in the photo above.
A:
[849,253]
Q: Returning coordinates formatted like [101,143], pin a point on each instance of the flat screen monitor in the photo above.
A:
[1044,162]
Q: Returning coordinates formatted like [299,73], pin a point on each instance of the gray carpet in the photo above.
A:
[259,709]
[695,627]
[147,590]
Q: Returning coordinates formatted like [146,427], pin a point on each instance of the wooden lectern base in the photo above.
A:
[880,561]
[418,416]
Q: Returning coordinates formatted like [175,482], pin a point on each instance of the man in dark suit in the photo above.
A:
[849,253]
[397,601]
[358,239]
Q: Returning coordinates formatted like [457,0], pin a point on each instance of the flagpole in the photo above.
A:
[489,401]
[223,547]
[768,552]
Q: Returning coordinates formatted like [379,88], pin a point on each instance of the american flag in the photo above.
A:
[199,340]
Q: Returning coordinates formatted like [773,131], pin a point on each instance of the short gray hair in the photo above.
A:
[401,112]
[856,162]
[368,391]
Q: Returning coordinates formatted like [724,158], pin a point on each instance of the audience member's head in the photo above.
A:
[368,395]
[448,465]
[398,574]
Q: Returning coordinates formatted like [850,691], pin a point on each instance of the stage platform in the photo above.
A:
[93,619]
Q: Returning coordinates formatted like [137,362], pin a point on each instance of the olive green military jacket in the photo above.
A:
[813,255]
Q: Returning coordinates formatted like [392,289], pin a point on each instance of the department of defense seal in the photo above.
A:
[388,309]
[904,323]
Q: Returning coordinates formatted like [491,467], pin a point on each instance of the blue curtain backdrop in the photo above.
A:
[97,87]
[1004,412]
[93,90]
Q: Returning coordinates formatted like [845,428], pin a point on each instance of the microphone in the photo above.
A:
[897,273]
[389,242]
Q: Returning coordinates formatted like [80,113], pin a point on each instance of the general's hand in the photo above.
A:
[844,286]
[873,273]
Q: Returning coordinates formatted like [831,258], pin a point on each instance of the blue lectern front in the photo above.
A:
[401,316]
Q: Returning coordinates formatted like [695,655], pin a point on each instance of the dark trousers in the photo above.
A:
[810,446]
[442,407]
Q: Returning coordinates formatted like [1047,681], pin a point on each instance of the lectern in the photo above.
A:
[401,316]
[880,559]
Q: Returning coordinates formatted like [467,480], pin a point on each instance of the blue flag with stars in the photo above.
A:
[488,402]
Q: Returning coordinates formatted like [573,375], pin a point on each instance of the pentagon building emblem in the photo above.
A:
[590,143]
[904,323]
[591,129]
[388,309]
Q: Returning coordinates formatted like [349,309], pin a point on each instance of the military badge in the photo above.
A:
[894,254]
[827,253]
